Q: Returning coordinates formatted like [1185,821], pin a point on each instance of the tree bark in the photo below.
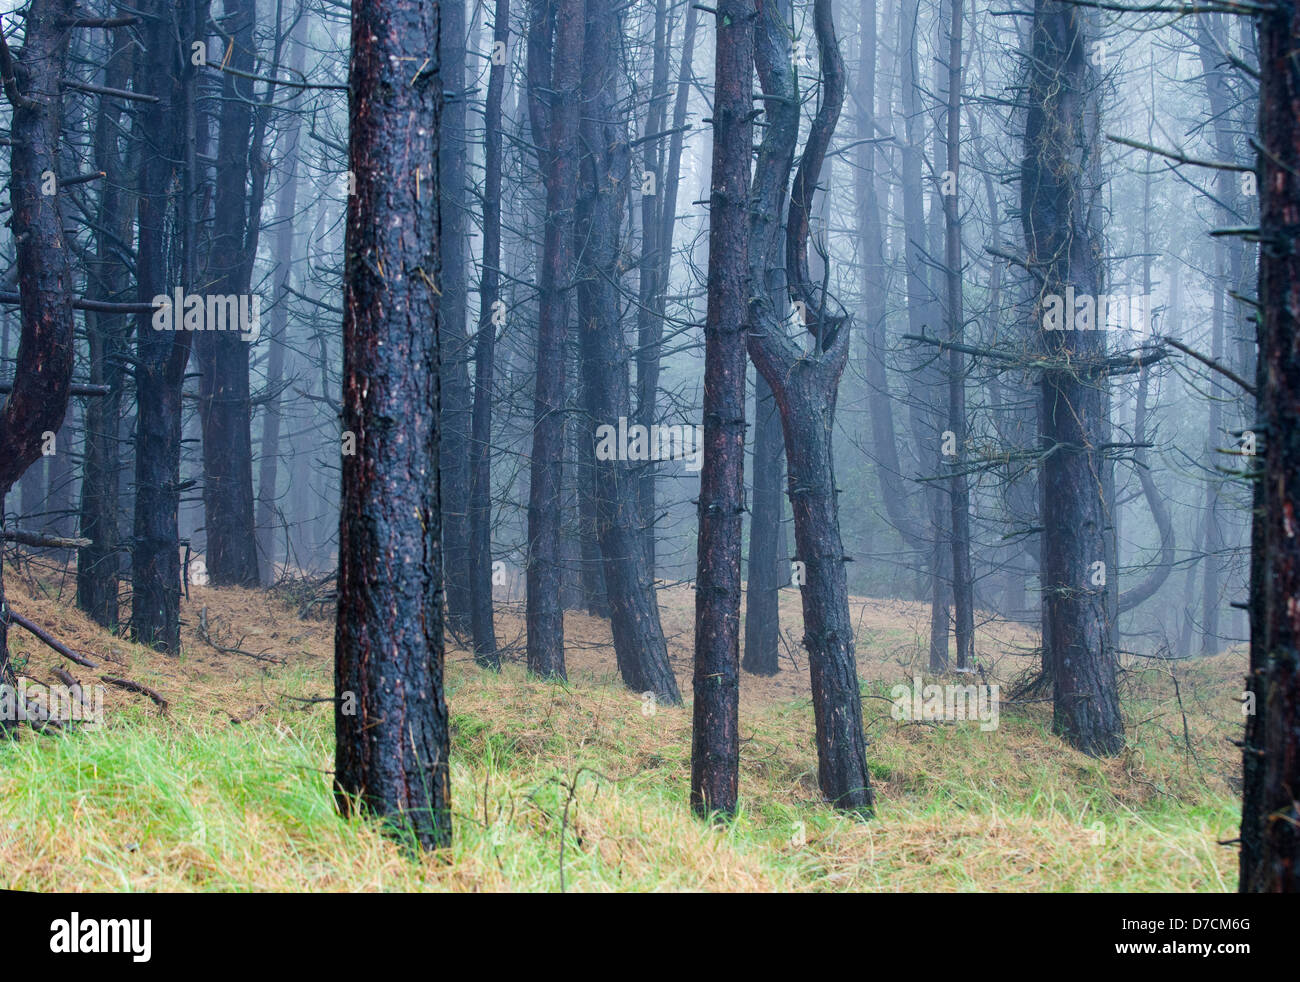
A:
[1270,831]
[108,336]
[1060,188]
[715,733]
[165,257]
[43,376]
[805,384]
[390,720]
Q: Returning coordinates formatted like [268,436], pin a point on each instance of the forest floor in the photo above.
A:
[581,786]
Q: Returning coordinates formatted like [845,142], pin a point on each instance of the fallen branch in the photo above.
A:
[41,541]
[132,686]
[58,646]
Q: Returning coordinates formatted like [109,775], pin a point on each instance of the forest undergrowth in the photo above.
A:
[584,786]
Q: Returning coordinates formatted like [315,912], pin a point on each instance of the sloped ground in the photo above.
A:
[583,787]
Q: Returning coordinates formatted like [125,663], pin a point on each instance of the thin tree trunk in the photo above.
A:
[715,739]
[492,310]
[555,35]
[225,408]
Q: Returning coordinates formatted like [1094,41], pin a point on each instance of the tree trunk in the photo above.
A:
[762,615]
[1059,191]
[457,400]
[286,208]
[555,35]
[805,384]
[604,170]
[491,311]
[390,719]
[715,734]
[1270,830]
[225,408]
[165,257]
[98,564]
[963,590]
[43,375]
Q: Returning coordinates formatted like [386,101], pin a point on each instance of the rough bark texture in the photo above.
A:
[555,43]
[1060,194]
[1270,857]
[805,384]
[390,715]
[165,258]
[604,171]
[43,377]
[715,734]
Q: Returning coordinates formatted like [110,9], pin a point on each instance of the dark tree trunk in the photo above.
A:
[165,257]
[390,717]
[1270,829]
[491,310]
[225,408]
[554,77]
[43,376]
[604,171]
[715,733]
[98,564]
[805,384]
[762,614]
[1059,191]
[457,399]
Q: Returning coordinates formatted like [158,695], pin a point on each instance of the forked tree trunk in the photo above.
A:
[390,716]
[805,384]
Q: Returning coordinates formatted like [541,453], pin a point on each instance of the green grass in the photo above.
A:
[195,803]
